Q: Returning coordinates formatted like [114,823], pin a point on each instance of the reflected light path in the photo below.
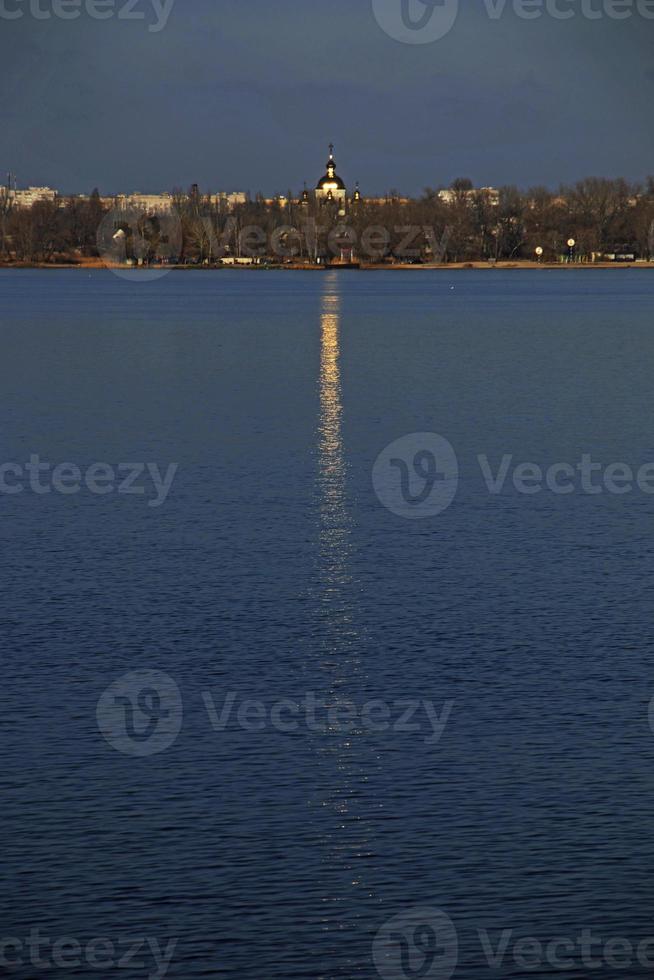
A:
[342,755]
[335,524]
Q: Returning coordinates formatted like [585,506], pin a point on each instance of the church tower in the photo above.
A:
[331,188]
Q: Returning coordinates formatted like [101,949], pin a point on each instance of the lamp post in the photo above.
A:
[539,254]
[571,249]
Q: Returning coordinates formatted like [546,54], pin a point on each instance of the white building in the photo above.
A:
[163,203]
[27,198]
[490,193]
[152,203]
[231,200]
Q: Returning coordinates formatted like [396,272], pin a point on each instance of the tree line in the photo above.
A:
[604,217]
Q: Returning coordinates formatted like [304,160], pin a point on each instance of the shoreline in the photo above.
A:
[520,265]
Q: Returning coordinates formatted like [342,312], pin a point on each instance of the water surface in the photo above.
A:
[272,570]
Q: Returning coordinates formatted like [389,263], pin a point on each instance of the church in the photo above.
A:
[331,188]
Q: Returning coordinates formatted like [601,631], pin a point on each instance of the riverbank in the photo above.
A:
[92,265]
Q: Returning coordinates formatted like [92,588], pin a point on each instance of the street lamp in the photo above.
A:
[539,253]
[571,249]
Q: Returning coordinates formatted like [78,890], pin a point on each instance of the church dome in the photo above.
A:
[331,181]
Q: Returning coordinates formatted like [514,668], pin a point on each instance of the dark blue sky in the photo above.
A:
[246,94]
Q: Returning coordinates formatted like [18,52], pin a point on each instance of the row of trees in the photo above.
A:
[50,230]
[603,216]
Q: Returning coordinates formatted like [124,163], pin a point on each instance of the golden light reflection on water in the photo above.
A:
[336,592]
[335,521]
[339,760]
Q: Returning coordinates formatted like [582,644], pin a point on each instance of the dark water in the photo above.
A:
[272,570]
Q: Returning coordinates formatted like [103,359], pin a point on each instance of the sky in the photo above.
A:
[247,94]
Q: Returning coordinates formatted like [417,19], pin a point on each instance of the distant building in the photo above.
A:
[163,203]
[230,200]
[280,201]
[28,198]
[152,203]
[330,189]
[490,193]
[383,201]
